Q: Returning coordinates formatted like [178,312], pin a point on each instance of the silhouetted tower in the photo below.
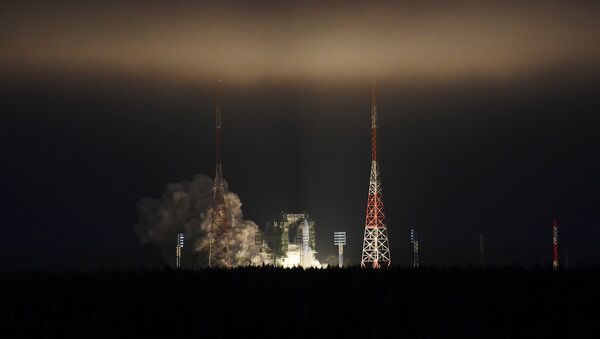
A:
[555,243]
[218,255]
[415,241]
[481,248]
[375,251]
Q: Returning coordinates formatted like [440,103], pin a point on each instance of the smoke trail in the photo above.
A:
[186,207]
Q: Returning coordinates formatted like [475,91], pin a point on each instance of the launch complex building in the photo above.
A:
[290,241]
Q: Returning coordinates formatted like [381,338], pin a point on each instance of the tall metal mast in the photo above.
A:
[555,243]
[481,248]
[375,252]
[415,241]
[218,255]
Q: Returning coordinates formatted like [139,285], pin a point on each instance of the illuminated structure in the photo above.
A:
[305,255]
[375,251]
[555,244]
[415,241]
[178,249]
[291,241]
[218,253]
[339,240]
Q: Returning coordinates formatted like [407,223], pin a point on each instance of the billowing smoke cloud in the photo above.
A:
[242,246]
[186,207]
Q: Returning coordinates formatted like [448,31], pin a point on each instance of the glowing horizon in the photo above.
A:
[336,42]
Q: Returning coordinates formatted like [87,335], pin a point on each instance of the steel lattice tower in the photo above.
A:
[218,253]
[375,251]
[555,244]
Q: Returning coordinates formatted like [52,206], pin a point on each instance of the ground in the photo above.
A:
[266,302]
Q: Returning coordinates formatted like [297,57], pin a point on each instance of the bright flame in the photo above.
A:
[292,259]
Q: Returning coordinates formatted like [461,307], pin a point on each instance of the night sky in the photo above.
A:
[489,119]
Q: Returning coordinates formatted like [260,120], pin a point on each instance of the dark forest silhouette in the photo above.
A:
[267,302]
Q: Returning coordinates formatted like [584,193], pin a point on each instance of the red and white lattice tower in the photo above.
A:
[555,243]
[218,253]
[375,251]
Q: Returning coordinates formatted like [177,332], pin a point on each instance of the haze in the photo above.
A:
[313,41]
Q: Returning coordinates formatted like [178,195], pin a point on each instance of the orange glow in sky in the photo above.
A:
[322,41]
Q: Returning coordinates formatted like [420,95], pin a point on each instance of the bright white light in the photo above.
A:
[292,259]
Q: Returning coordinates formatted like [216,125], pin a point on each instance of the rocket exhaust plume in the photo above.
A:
[186,207]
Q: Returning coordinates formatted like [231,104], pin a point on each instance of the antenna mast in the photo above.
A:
[481,248]
[375,251]
[555,244]
[415,241]
[218,255]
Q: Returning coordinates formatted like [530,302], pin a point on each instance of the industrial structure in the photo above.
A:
[481,248]
[375,251]
[178,249]
[555,244]
[290,241]
[305,254]
[218,255]
[415,241]
[339,240]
